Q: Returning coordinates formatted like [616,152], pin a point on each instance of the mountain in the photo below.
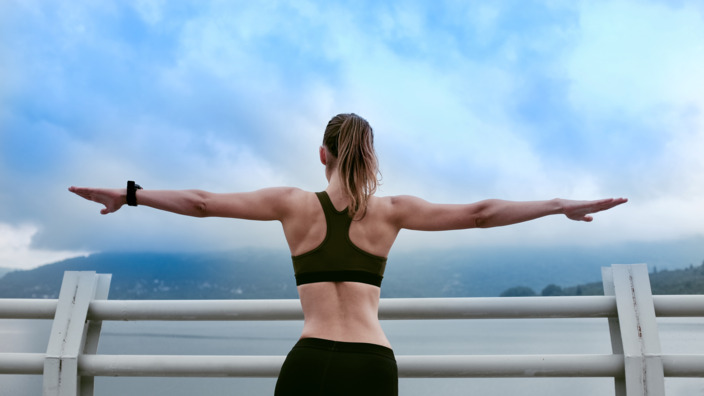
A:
[261,273]
[241,274]
[488,271]
[4,271]
[688,280]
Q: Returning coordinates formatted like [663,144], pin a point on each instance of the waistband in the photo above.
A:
[342,346]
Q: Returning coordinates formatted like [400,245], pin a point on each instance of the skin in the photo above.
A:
[345,311]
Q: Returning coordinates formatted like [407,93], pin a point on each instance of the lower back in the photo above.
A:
[342,311]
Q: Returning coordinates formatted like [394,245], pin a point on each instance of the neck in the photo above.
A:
[335,190]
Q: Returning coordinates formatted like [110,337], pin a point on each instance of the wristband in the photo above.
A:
[132,188]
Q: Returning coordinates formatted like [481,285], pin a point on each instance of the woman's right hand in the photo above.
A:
[582,210]
[113,199]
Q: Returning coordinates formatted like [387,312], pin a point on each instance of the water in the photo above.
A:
[459,337]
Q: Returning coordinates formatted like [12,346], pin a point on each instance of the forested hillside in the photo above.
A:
[469,272]
[679,281]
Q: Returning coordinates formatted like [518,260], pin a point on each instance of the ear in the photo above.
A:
[323,155]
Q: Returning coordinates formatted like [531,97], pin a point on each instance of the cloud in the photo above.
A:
[16,250]
[633,75]
[633,59]
[468,101]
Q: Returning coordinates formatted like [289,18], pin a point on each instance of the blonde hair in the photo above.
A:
[350,139]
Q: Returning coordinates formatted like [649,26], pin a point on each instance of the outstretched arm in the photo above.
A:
[417,214]
[495,213]
[265,204]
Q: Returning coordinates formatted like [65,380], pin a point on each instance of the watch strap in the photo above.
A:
[132,188]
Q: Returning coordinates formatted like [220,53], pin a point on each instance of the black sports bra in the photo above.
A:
[337,259]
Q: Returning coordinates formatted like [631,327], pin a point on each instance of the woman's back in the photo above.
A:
[347,310]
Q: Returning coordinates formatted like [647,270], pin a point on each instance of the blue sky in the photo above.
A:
[469,100]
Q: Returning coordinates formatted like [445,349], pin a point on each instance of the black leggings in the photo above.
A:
[318,367]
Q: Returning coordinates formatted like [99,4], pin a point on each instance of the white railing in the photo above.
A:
[637,364]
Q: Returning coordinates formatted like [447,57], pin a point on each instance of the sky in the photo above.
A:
[519,100]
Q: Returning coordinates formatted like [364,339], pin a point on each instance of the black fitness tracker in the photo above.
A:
[132,188]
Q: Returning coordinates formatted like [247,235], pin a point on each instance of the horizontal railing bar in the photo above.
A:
[179,366]
[196,310]
[683,365]
[498,307]
[22,363]
[27,308]
[449,366]
[410,366]
[390,308]
[509,366]
[393,308]
[679,306]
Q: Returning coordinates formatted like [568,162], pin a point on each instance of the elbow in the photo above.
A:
[484,219]
[199,206]
[481,222]
[482,216]
[200,209]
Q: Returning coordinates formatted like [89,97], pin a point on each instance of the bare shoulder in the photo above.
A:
[293,199]
[286,193]
[285,196]
[280,194]
[396,205]
[380,204]
[393,199]
[414,213]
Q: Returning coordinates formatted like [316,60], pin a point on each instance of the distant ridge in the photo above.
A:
[4,271]
[678,281]
[244,274]
[262,273]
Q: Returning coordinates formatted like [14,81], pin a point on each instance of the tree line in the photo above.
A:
[688,280]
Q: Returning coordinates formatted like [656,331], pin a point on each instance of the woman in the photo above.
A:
[339,240]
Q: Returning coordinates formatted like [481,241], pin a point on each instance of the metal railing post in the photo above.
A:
[93,333]
[607,278]
[68,333]
[639,330]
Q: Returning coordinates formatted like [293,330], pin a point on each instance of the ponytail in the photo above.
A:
[350,139]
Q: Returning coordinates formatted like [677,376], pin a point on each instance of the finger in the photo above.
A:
[605,204]
[81,192]
[77,190]
[620,201]
[613,203]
